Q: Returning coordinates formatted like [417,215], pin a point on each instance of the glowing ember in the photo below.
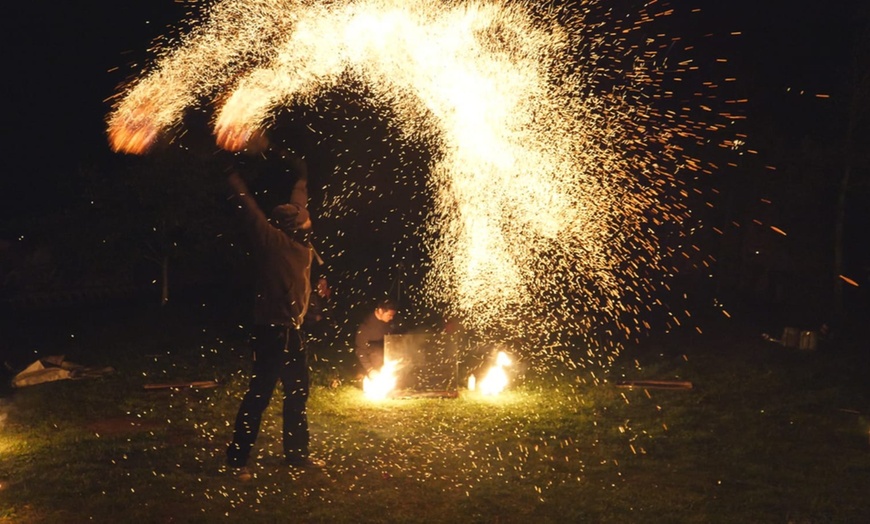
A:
[558,161]
[495,379]
[379,383]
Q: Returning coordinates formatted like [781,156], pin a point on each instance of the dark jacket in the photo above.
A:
[282,262]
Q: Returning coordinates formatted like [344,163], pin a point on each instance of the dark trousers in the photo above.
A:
[278,354]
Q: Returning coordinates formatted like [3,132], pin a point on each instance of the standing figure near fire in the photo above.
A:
[282,256]
[369,340]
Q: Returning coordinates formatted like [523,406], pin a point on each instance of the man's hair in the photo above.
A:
[289,217]
[387,305]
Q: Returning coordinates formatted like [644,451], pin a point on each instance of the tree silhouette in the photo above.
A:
[854,157]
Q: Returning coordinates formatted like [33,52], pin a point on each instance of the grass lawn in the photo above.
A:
[767,434]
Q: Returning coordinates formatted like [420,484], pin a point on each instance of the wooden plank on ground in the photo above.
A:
[178,385]
[423,394]
[655,384]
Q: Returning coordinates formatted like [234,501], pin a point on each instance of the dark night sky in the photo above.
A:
[63,60]
[58,58]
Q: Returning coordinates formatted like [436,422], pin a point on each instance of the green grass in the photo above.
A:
[766,435]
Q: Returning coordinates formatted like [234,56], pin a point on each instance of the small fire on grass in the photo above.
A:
[379,383]
[495,380]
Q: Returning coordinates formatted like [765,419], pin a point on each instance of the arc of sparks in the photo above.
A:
[536,182]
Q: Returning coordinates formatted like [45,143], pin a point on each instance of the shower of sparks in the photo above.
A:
[555,171]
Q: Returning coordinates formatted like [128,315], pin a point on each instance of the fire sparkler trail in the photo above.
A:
[553,173]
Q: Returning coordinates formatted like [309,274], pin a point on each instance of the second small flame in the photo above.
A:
[495,380]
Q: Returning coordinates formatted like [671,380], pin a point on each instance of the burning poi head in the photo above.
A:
[555,172]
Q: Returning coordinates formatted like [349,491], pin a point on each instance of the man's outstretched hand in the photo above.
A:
[237,183]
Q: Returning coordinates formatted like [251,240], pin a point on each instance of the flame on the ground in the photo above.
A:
[496,378]
[378,384]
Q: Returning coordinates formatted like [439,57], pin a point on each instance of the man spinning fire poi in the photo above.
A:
[283,255]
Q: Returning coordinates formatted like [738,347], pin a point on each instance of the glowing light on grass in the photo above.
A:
[379,383]
[495,380]
[554,172]
[9,443]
